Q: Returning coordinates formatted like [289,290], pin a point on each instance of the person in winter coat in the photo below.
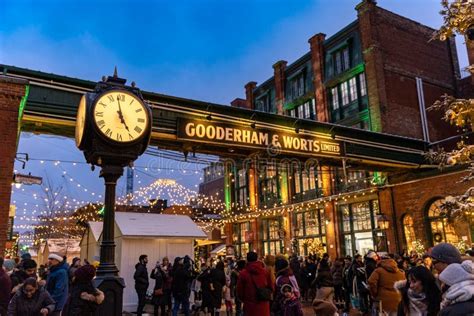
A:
[234,278]
[359,288]
[285,276]
[159,300]
[180,287]
[347,282]
[291,305]
[252,277]
[76,263]
[217,285]
[57,283]
[381,284]
[336,272]
[166,268]
[207,304]
[26,270]
[5,286]
[324,283]
[31,301]
[371,260]
[84,297]
[141,282]
[458,299]
[269,262]
[420,295]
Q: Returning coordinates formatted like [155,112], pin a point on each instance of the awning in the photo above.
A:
[218,250]
[205,242]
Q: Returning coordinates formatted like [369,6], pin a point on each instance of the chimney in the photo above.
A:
[239,103]
[249,87]
[316,44]
[279,76]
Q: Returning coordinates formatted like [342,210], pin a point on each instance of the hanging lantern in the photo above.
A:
[383,221]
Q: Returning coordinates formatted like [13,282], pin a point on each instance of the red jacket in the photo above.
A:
[5,288]
[254,275]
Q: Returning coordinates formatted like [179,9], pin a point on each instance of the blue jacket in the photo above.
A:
[57,284]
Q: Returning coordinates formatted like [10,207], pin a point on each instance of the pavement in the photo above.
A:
[307,311]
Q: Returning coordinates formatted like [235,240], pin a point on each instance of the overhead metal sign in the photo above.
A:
[240,135]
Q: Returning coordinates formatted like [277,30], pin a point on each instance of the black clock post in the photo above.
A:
[104,145]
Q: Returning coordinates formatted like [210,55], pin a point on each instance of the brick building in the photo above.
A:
[380,73]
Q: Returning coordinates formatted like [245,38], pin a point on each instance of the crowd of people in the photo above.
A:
[53,289]
[440,282]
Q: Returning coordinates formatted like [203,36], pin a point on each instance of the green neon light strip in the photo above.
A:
[227,190]
[21,110]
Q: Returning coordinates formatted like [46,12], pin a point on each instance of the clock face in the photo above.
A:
[120,116]
[80,120]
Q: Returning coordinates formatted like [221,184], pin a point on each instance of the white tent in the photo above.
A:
[61,246]
[90,242]
[155,235]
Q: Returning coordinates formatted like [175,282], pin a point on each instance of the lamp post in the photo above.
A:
[383,224]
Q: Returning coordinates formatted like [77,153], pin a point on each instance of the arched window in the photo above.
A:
[441,230]
[409,231]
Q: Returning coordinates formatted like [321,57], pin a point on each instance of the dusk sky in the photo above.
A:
[205,50]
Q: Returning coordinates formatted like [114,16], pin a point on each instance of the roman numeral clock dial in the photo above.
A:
[120,116]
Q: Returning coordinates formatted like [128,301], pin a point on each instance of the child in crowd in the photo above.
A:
[291,306]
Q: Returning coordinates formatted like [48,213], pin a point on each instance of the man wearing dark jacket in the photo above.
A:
[57,283]
[26,270]
[141,282]
[180,286]
[5,286]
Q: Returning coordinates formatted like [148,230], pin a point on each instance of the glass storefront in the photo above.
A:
[270,235]
[241,232]
[441,230]
[359,228]
[310,232]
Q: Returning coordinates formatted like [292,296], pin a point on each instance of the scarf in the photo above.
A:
[418,303]
[459,292]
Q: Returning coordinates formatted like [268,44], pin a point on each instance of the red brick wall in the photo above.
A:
[317,64]
[414,198]
[396,51]
[11,92]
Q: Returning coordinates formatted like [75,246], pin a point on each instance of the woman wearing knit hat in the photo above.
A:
[459,297]
[84,297]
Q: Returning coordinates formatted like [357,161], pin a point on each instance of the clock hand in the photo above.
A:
[122,119]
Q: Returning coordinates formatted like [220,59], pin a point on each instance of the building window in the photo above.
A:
[306,183]
[335,98]
[242,187]
[293,113]
[300,111]
[310,231]
[268,185]
[441,230]
[409,231]
[271,231]
[345,57]
[242,238]
[353,89]
[297,86]
[307,111]
[344,93]
[359,227]
[363,88]
[338,62]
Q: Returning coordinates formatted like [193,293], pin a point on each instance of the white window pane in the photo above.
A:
[363,88]
[344,93]
[307,112]
[345,53]
[335,99]
[300,111]
[353,89]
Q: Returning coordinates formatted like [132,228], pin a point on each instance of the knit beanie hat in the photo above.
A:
[281,264]
[455,273]
[9,264]
[55,257]
[446,253]
[29,264]
[371,254]
[85,273]
[324,308]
